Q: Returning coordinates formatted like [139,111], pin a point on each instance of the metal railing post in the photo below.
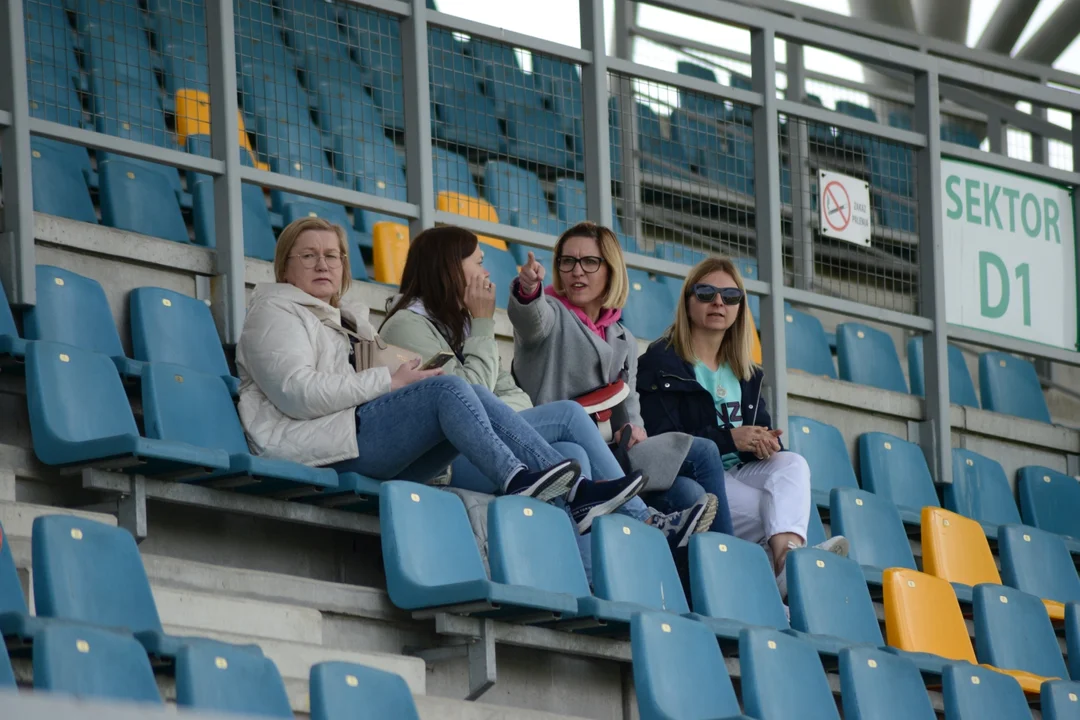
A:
[414,61]
[802,228]
[630,180]
[594,91]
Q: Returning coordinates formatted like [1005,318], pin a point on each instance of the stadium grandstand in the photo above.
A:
[888,178]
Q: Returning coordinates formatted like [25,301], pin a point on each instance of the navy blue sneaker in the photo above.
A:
[679,526]
[545,485]
[590,500]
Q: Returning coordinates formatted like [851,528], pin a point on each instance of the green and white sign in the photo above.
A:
[1010,265]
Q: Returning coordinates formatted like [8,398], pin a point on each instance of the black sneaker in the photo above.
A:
[545,485]
[679,526]
[590,500]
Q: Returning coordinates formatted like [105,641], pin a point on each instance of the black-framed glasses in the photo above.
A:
[310,259]
[707,293]
[589,263]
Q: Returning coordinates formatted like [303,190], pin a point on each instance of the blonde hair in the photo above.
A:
[292,232]
[618,288]
[736,349]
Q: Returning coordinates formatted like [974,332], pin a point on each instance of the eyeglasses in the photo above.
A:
[589,263]
[707,293]
[309,259]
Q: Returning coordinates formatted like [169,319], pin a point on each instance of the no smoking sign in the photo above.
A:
[845,207]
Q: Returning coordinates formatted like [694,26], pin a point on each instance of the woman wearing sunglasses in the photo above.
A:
[700,379]
[568,342]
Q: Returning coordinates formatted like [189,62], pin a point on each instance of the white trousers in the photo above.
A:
[769,497]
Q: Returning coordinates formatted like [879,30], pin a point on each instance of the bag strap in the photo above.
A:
[621,451]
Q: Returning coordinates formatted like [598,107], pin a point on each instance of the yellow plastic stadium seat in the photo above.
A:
[922,615]
[955,549]
[193,118]
[459,204]
[390,247]
[755,349]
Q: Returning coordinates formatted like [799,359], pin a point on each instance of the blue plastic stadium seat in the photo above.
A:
[90,662]
[977,693]
[1050,500]
[807,346]
[379,170]
[824,449]
[980,490]
[307,165]
[185,406]
[88,572]
[1072,637]
[133,113]
[58,180]
[73,310]
[230,680]
[168,326]
[868,357]
[7,675]
[432,560]
[138,198]
[1037,562]
[661,155]
[11,345]
[503,268]
[515,192]
[1060,700]
[309,207]
[749,269]
[451,173]
[544,257]
[815,530]
[1010,385]
[80,416]
[829,599]
[873,526]
[678,670]
[344,691]
[896,469]
[732,585]
[570,204]
[535,133]
[649,309]
[878,685]
[961,387]
[1013,632]
[782,678]
[15,618]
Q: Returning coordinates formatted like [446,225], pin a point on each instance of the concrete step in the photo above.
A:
[433,708]
[253,619]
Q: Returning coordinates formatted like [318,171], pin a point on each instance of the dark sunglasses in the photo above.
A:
[707,293]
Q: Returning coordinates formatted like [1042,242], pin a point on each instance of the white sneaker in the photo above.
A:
[837,544]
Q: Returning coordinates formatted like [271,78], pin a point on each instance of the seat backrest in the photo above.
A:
[807,346]
[187,406]
[1049,500]
[977,693]
[1060,700]
[73,395]
[1013,632]
[828,596]
[678,669]
[954,548]
[877,685]
[961,387]
[570,200]
[632,563]
[7,319]
[59,185]
[868,357]
[221,678]
[923,615]
[72,309]
[91,662]
[450,171]
[474,207]
[649,307]
[7,674]
[11,592]
[168,326]
[824,450]
[533,544]
[815,529]
[980,489]
[897,470]
[504,269]
[1038,562]
[733,579]
[345,691]
[90,572]
[427,542]
[1072,637]
[138,198]
[514,190]
[390,249]
[1010,385]
[782,678]
[872,526]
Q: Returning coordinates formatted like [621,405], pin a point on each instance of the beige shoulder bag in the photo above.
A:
[375,352]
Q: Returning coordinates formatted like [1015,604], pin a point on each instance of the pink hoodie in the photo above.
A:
[608,316]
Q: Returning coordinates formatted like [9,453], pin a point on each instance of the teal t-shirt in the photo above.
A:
[726,392]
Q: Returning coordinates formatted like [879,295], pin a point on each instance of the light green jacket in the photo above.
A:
[482,365]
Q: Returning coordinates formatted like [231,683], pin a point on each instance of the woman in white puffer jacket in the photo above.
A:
[301,398]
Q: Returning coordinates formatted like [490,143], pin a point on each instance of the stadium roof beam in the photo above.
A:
[897,13]
[946,20]
[1008,21]
[1051,39]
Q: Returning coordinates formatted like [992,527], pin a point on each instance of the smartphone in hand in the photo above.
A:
[437,360]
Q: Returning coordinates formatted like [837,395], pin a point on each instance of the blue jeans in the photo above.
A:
[702,472]
[416,432]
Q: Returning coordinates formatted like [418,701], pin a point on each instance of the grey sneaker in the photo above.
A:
[679,526]
[837,544]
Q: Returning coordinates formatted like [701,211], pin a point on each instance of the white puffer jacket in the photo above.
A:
[298,392]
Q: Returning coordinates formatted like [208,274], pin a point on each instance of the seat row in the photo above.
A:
[97,634]
[867,356]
